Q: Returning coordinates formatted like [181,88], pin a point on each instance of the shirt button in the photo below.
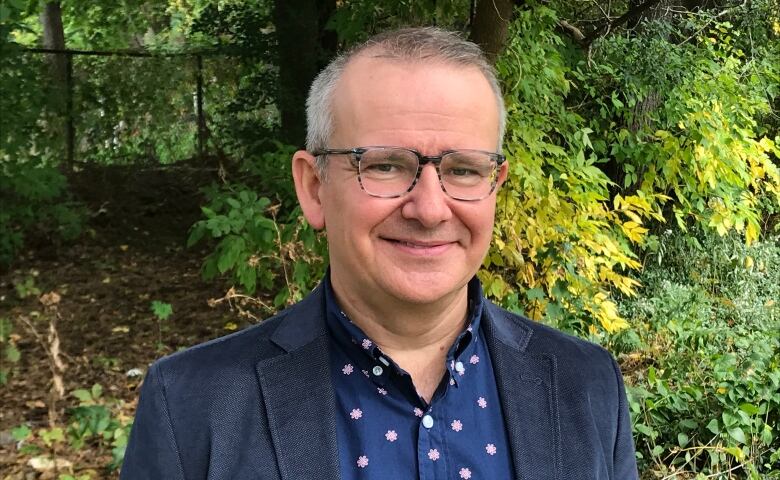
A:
[427,421]
[377,370]
[459,367]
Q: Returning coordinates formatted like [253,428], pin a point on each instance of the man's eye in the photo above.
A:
[463,172]
[382,167]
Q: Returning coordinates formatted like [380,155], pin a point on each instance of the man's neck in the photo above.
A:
[417,337]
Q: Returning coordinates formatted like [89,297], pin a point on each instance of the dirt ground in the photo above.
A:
[131,253]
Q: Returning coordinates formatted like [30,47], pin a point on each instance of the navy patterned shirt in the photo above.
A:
[387,431]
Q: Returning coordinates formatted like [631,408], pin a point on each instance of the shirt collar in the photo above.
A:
[360,346]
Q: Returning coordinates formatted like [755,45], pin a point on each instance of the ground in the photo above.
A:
[131,253]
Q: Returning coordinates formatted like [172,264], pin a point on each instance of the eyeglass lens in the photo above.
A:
[465,175]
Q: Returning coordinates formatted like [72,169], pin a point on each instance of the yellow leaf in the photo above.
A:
[752,232]
[230,326]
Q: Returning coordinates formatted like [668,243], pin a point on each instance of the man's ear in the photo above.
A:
[503,173]
[307,188]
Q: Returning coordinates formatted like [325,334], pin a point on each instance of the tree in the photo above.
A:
[302,46]
[490,25]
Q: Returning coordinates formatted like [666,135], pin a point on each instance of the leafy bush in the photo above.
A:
[664,124]
[559,237]
[688,120]
[703,358]
[255,247]
[35,204]
[94,423]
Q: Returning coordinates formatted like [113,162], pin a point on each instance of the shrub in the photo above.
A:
[35,204]
[255,247]
[703,359]
[604,149]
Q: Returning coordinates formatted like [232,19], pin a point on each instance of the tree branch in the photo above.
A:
[629,15]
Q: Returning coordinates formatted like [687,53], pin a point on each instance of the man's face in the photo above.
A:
[423,247]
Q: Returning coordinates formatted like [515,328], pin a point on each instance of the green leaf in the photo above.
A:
[714,426]
[735,452]
[766,435]
[22,432]
[682,439]
[534,294]
[738,434]
[688,424]
[748,408]
[12,353]
[83,395]
[162,310]
[97,390]
[54,435]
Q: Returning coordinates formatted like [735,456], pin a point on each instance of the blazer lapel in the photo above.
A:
[528,389]
[298,395]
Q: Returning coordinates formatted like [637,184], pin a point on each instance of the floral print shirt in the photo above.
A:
[387,431]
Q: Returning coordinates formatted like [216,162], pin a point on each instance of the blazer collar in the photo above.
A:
[299,399]
[528,390]
[298,394]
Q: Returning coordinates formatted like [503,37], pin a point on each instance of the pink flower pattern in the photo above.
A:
[392,436]
[433,454]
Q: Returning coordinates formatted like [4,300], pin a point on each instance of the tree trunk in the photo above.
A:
[61,76]
[491,25]
[54,38]
[298,36]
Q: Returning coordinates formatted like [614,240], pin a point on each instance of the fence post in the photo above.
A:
[70,127]
[201,118]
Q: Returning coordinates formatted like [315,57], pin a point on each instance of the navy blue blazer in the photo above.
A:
[259,404]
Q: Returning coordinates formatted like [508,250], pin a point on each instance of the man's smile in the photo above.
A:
[420,247]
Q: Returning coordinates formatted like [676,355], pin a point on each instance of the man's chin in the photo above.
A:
[425,288]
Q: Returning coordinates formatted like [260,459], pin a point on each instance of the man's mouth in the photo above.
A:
[424,247]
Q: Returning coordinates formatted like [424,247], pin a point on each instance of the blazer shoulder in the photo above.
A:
[539,339]
[238,351]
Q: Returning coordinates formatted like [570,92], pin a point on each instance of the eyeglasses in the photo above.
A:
[391,172]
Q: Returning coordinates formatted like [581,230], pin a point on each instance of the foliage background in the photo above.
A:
[641,210]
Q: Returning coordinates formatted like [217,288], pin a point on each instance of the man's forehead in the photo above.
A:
[371,75]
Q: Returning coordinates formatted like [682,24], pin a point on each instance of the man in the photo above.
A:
[395,367]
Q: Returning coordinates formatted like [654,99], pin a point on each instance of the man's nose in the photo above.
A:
[427,202]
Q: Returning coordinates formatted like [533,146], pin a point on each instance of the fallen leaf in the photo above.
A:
[43,464]
[50,299]
[121,329]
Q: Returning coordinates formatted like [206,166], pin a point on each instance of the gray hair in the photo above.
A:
[412,44]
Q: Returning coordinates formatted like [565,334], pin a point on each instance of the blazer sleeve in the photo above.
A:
[151,450]
[625,467]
